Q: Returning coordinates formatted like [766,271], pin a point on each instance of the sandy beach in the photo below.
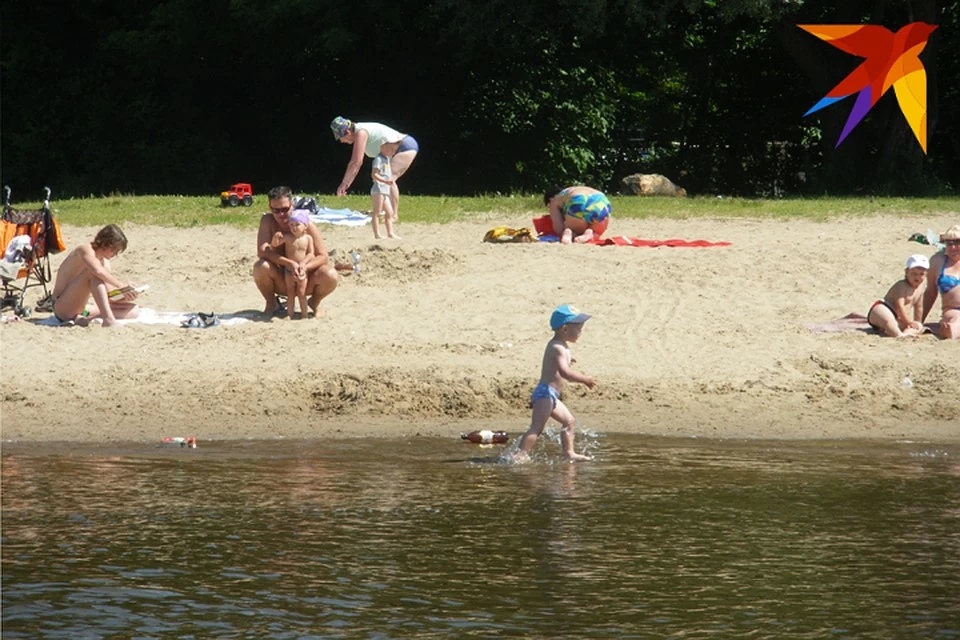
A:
[441,333]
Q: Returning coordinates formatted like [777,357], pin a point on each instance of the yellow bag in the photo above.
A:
[506,234]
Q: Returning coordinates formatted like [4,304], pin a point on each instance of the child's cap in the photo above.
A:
[566,314]
[301,216]
[340,127]
[918,260]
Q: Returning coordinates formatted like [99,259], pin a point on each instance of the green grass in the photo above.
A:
[191,211]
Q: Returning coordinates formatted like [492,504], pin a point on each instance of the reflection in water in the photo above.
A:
[436,538]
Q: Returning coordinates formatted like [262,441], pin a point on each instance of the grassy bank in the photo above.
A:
[190,211]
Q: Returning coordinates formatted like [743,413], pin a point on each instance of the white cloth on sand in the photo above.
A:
[150,316]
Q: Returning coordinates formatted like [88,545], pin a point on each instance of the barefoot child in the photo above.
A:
[86,272]
[298,251]
[380,196]
[567,323]
[900,312]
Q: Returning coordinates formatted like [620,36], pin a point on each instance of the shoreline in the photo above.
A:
[442,331]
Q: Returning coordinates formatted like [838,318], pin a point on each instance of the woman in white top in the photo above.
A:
[370,138]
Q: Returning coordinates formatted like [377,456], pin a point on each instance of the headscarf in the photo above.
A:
[301,216]
[340,127]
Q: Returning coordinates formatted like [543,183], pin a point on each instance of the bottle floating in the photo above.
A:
[486,436]
[189,442]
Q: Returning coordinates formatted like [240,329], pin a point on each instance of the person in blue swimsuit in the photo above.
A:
[898,313]
[556,371]
[578,214]
[943,279]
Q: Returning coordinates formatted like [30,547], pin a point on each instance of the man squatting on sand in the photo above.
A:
[268,272]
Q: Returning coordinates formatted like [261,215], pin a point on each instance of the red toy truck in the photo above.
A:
[238,193]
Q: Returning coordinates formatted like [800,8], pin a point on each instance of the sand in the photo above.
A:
[442,333]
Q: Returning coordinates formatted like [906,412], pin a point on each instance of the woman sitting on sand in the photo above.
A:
[943,279]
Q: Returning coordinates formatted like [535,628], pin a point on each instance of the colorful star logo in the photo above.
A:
[891,59]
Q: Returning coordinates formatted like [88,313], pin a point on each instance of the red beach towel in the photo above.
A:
[544,228]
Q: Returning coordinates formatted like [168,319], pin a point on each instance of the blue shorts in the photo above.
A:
[545,391]
[409,143]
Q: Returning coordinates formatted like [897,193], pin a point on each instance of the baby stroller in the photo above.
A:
[29,236]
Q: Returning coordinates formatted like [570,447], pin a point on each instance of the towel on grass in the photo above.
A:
[345,217]
[150,316]
[544,227]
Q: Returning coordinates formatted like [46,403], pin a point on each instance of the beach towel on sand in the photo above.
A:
[150,316]
[849,322]
[544,227]
[855,322]
[345,217]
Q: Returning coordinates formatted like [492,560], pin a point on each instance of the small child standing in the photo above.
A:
[380,195]
[567,324]
[298,250]
[900,313]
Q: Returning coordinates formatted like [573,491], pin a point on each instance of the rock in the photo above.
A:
[652,184]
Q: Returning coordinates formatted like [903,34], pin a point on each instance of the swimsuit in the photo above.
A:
[53,306]
[409,143]
[544,390]
[946,282]
[592,208]
[874,306]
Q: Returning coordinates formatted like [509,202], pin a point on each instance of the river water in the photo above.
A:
[437,538]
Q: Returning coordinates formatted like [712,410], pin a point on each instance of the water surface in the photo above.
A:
[435,538]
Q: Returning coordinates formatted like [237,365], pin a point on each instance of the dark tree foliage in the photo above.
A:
[187,96]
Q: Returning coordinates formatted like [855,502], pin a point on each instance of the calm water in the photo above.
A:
[434,538]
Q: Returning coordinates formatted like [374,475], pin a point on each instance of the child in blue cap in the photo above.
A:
[567,324]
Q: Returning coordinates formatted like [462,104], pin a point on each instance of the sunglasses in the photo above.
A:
[952,243]
[280,210]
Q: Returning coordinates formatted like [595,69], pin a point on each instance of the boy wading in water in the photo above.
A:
[567,324]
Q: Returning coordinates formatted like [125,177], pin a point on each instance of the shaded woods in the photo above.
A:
[187,96]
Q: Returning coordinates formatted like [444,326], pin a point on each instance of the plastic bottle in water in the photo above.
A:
[486,436]
[177,441]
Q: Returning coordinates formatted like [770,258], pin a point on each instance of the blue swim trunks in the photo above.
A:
[545,391]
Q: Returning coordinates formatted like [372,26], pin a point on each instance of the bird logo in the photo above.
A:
[891,59]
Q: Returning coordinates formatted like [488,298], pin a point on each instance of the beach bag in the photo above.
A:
[506,234]
[54,237]
[306,203]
